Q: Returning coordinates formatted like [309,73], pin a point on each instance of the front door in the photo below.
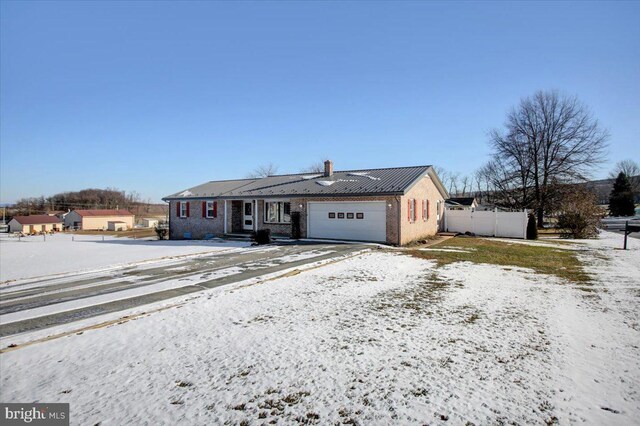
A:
[247,222]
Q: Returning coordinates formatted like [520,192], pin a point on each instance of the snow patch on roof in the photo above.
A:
[186,193]
[307,177]
[326,182]
[363,174]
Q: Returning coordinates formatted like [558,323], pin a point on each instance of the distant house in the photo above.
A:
[393,205]
[97,219]
[461,203]
[35,223]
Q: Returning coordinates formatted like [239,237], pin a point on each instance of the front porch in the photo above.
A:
[245,216]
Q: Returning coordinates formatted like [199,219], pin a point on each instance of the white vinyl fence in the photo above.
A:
[487,223]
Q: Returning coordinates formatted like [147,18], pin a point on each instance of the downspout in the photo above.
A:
[169,216]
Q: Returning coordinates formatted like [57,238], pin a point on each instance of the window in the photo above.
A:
[211,209]
[425,210]
[412,210]
[359,215]
[277,212]
[184,209]
[332,215]
[349,215]
[340,215]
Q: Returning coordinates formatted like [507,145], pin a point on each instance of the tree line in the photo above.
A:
[91,198]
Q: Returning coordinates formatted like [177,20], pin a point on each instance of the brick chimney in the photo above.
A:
[328,168]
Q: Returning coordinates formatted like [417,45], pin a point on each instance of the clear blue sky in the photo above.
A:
[158,96]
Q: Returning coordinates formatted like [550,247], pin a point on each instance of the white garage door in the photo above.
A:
[362,221]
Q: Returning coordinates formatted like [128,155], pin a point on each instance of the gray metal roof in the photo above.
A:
[342,183]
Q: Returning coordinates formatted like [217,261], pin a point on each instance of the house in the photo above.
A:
[392,205]
[97,219]
[461,203]
[35,224]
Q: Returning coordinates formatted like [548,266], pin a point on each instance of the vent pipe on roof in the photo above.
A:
[328,168]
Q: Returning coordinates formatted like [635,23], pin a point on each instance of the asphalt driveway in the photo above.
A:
[54,294]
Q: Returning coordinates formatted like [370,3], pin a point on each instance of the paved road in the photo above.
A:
[208,271]
[631,235]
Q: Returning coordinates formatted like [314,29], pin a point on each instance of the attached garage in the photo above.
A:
[360,221]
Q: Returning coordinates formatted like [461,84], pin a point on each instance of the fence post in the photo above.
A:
[446,219]
[473,222]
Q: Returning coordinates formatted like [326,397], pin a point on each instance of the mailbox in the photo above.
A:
[629,229]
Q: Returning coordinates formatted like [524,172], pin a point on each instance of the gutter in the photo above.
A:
[279,196]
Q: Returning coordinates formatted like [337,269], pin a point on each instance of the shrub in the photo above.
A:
[262,236]
[580,214]
[161,232]
[532,228]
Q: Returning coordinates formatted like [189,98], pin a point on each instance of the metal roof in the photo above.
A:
[104,212]
[462,201]
[37,219]
[342,183]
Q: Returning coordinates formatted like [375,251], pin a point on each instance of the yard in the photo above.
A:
[472,331]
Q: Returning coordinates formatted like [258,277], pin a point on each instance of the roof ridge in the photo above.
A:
[231,180]
[340,171]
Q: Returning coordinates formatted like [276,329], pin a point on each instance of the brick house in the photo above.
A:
[392,205]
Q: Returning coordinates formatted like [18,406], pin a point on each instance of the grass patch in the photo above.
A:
[546,260]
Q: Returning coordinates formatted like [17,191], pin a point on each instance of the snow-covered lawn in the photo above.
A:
[63,253]
[382,338]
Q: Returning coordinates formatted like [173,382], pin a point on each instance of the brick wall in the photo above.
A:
[414,230]
[198,225]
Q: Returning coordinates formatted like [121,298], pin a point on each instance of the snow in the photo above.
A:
[307,177]
[32,257]
[381,338]
[325,182]
[363,174]
[186,193]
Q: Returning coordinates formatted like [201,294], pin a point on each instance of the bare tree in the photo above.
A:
[548,140]
[443,174]
[481,187]
[317,167]
[465,183]
[263,171]
[501,186]
[631,169]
